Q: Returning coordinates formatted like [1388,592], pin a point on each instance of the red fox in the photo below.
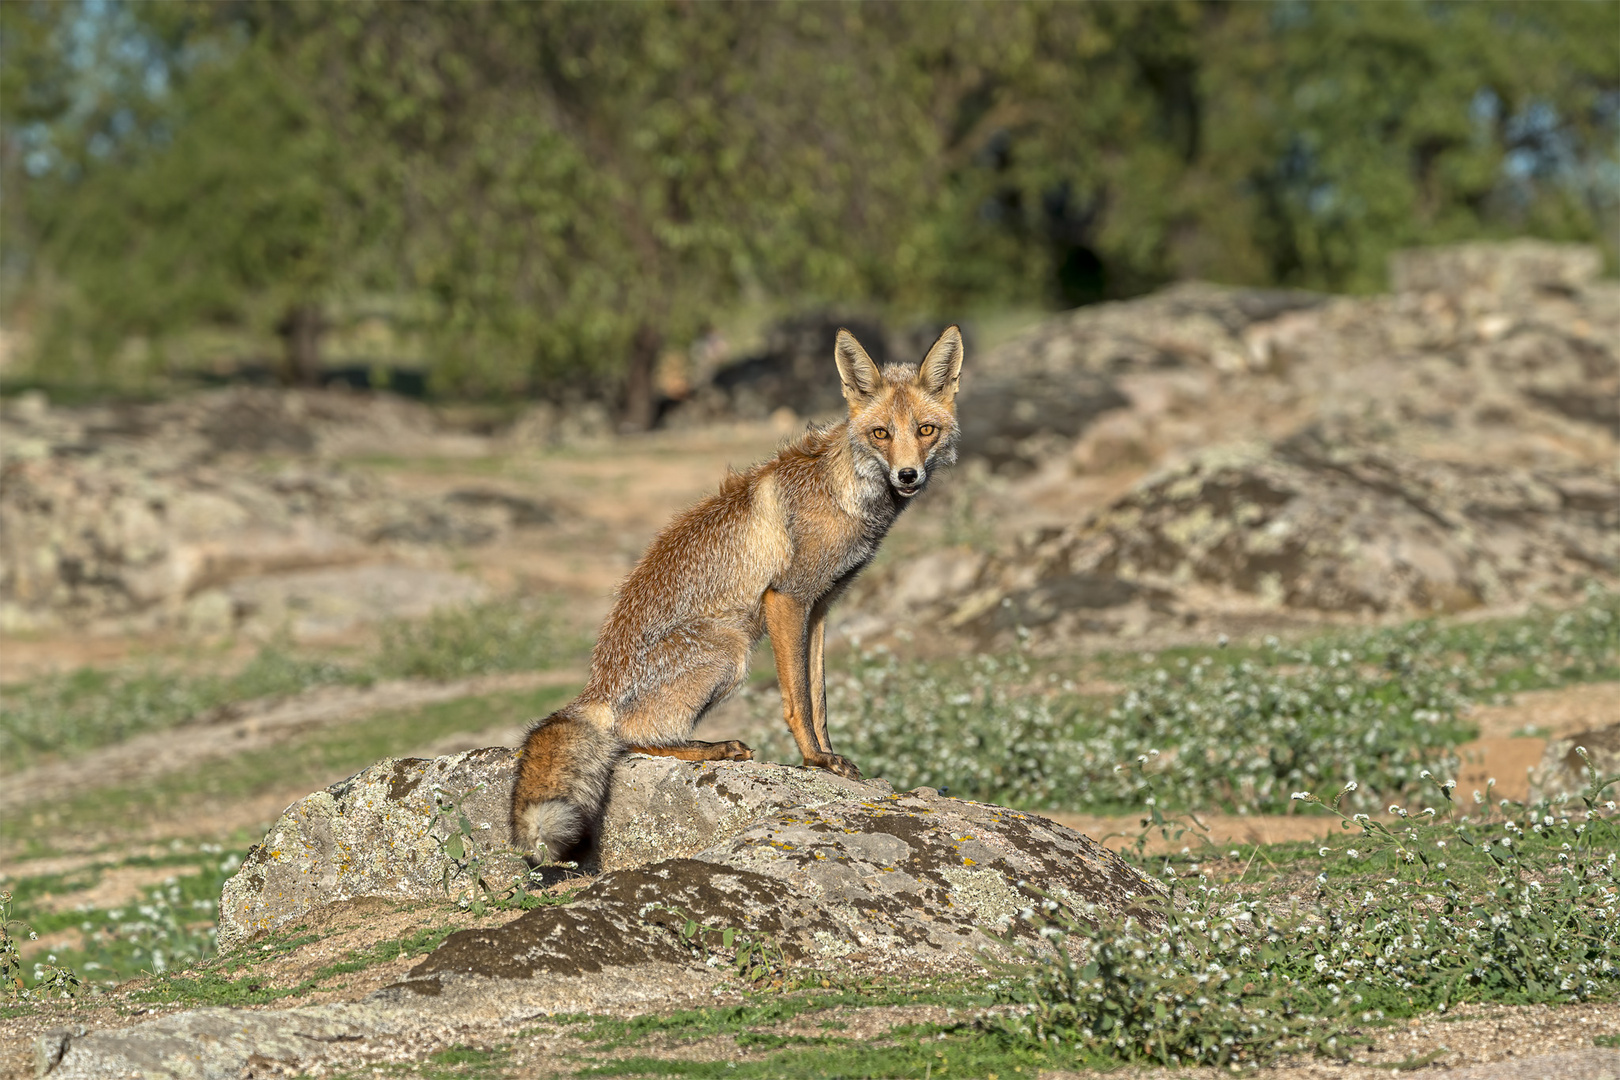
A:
[769,553]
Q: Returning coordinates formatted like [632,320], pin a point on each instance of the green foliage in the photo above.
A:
[218,984]
[466,849]
[1478,909]
[764,1010]
[89,707]
[756,960]
[919,1054]
[50,979]
[213,988]
[466,1061]
[169,934]
[171,927]
[457,643]
[1376,706]
[307,763]
[525,186]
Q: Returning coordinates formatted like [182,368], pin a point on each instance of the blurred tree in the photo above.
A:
[561,188]
[197,186]
[1353,129]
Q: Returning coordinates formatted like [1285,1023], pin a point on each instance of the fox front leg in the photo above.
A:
[787,619]
[817,671]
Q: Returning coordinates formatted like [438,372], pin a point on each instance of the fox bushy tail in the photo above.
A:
[562,782]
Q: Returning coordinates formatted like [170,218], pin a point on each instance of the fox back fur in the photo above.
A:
[768,554]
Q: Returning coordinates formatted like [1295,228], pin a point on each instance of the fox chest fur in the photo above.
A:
[834,517]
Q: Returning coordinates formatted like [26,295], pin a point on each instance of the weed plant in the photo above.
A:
[172,926]
[1511,904]
[1241,733]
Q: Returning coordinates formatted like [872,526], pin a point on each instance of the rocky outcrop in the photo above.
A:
[1452,445]
[387,830]
[399,1027]
[151,514]
[890,883]
[1333,526]
[836,872]
[828,874]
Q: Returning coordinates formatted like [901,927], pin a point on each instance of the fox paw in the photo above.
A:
[732,750]
[836,764]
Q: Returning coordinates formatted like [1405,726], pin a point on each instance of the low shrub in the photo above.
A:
[1516,907]
[1238,732]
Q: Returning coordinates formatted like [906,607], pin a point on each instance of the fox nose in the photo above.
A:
[907,476]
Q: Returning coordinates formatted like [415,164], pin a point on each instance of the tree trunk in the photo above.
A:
[300,330]
[638,408]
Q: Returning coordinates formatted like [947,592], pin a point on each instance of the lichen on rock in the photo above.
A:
[836,872]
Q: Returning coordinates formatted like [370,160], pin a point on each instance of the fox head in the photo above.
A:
[902,419]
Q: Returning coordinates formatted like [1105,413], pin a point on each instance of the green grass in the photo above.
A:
[1505,903]
[310,763]
[216,986]
[464,1061]
[90,707]
[168,934]
[610,1033]
[918,1053]
[1461,902]
[1477,902]
[911,1049]
[170,926]
[68,714]
[458,1062]
[458,643]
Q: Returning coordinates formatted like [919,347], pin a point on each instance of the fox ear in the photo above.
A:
[855,369]
[940,373]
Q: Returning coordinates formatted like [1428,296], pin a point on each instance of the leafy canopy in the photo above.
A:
[524,185]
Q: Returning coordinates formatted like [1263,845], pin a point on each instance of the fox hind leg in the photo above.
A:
[697,750]
[709,660]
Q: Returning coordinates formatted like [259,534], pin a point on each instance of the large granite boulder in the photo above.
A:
[1317,522]
[833,870]
[395,830]
[1333,524]
[881,883]
[384,832]
[1495,270]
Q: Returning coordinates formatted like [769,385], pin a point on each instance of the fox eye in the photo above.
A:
[927,430]
[880,433]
